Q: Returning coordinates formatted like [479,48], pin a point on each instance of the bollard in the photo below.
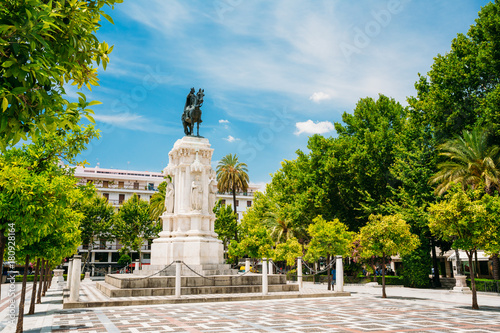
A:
[68,276]
[137,266]
[247,264]
[74,293]
[299,273]
[264,276]
[339,286]
[109,269]
[270,270]
[177,278]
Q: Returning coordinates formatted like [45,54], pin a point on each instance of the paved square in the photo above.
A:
[367,313]
[406,310]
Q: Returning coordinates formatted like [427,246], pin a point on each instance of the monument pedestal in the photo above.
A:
[188,222]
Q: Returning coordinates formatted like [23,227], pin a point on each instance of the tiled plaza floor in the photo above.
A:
[406,310]
[349,314]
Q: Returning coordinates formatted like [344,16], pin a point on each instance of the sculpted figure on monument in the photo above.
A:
[169,197]
[192,111]
[211,195]
[196,194]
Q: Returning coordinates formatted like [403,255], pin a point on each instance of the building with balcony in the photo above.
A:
[118,186]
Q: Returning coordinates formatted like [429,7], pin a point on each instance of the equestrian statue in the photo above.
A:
[192,112]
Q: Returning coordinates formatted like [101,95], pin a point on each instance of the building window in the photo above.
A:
[89,181]
[121,198]
[223,202]
[105,183]
[136,186]
[121,184]
[101,256]
[146,256]
[106,195]
[249,203]
[151,186]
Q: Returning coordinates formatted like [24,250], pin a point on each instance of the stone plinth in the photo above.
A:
[461,285]
[188,222]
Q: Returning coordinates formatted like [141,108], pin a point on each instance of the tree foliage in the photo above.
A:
[463,219]
[328,238]
[470,160]
[386,236]
[462,91]
[226,223]
[133,224]
[43,46]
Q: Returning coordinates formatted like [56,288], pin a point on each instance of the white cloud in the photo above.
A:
[230,138]
[309,127]
[319,96]
[223,121]
[132,122]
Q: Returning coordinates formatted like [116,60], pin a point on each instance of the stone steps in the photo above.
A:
[112,291]
[119,285]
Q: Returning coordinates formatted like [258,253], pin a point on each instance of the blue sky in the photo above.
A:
[274,72]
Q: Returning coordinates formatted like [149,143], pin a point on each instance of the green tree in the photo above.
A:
[256,241]
[463,219]
[43,46]
[157,203]
[386,236]
[281,227]
[133,225]
[226,223]
[232,177]
[36,206]
[97,220]
[469,160]
[288,251]
[328,238]
[462,91]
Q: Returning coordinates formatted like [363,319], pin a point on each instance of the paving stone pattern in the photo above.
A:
[346,314]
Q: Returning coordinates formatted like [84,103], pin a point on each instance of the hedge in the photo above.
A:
[29,278]
[391,280]
[486,285]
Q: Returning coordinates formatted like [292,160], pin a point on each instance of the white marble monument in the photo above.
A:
[188,222]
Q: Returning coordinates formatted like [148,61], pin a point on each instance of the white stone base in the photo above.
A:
[463,290]
[192,250]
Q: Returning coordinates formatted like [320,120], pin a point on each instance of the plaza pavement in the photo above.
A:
[405,310]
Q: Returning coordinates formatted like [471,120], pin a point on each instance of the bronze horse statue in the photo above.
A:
[192,112]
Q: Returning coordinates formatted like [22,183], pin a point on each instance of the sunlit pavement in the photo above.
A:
[405,310]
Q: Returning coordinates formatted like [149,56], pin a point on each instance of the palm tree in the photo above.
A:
[232,177]
[470,161]
[157,203]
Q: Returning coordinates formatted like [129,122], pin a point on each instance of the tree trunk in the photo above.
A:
[40,284]
[476,267]
[496,267]
[235,209]
[19,328]
[475,306]
[3,243]
[47,278]
[329,273]
[383,276]
[435,277]
[459,263]
[33,292]
[86,264]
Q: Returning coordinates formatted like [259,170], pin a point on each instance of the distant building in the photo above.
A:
[118,186]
